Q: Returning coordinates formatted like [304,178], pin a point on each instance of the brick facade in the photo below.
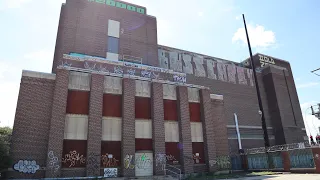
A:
[128,126]
[94,125]
[185,129]
[157,113]
[57,122]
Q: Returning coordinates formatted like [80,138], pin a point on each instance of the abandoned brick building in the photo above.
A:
[117,99]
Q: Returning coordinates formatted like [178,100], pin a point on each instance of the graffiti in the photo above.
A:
[146,74]
[210,69]
[118,70]
[231,68]
[222,72]
[66,64]
[199,69]
[53,161]
[102,69]
[143,161]
[170,158]
[73,158]
[109,161]
[264,60]
[177,78]
[155,76]
[164,62]
[25,166]
[241,77]
[131,72]
[128,162]
[196,158]
[212,162]
[249,73]
[160,159]
[110,172]
[175,61]
[93,164]
[87,66]
[187,68]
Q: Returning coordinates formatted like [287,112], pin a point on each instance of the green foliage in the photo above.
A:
[5,138]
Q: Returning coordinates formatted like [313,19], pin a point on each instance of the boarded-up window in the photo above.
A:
[112,105]
[113,45]
[173,152]
[194,109]
[143,144]
[114,28]
[170,110]
[196,132]
[169,92]
[76,127]
[78,102]
[112,85]
[142,108]
[110,154]
[74,153]
[111,129]
[143,88]
[143,129]
[171,129]
[79,81]
[198,152]
[193,95]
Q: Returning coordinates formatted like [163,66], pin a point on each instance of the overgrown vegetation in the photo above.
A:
[5,139]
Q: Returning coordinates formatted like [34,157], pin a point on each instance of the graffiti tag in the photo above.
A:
[53,161]
[128,162]
[25,166]
[143,161]
[109,161]
[73,158]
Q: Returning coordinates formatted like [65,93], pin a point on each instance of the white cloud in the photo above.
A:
[12,3]
[259,37]
[307,85]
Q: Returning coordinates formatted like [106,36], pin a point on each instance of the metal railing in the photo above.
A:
[171,171]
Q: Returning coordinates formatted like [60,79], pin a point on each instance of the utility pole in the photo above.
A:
[263,120]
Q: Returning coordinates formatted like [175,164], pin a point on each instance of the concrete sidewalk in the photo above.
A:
[284,177]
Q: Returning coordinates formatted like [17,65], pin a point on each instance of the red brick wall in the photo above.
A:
[114,148]
[78,102]
[143,108]
[75,148]
[170,109]
[194,109]
[197,147]
[112,105]
[172,149]
[143,144]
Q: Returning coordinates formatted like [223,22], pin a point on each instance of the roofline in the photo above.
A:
[268,56]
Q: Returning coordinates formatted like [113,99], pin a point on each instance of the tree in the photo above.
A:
[5,139]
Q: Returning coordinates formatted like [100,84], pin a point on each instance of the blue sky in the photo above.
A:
[285,29]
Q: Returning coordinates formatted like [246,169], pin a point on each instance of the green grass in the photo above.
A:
[228,176]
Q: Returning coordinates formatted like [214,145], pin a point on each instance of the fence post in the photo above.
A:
[285,160]
[244,160]
[316,158]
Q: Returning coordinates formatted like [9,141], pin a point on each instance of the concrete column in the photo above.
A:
[185,130]
[208,133]
[94,125]
[157,115]
[57,122]
[286,160]
[128,128]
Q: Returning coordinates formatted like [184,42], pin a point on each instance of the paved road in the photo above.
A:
[285,177]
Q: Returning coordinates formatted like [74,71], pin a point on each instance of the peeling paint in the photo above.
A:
[199,69]
[163,60]
[187,67]
[210,69]
[222,72]
[175,61]
[231,68]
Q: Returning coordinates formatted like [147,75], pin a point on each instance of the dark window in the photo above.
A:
[113,45]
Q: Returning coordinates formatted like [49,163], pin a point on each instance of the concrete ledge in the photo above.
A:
[216,97]
[41,75]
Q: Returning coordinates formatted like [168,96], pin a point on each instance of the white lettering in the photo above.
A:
[222,71]
[210,69]
[187,68]
[231,73]
[175,61]
[199,69]
[241,76]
